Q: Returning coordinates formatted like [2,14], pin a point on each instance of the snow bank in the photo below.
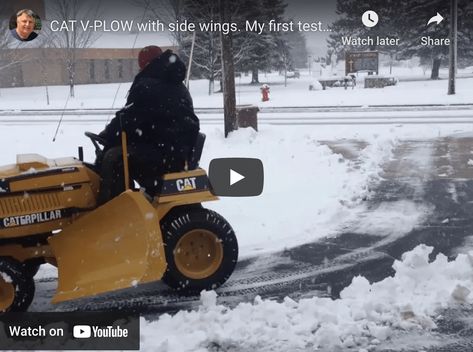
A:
[365,315]
[309,191]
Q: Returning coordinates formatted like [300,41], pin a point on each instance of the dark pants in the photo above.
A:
[147,164]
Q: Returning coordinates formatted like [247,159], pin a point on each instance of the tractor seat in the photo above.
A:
[196,152]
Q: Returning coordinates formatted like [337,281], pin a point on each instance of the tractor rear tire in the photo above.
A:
[201,249]
[16,287]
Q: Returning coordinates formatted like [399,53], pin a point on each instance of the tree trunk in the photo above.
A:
[211,86]
[285,75]
[47,94]
[228,72]
[71,89]
[71,70]
[436,68]
[254,76]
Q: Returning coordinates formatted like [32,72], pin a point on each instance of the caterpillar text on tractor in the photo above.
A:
[49,214]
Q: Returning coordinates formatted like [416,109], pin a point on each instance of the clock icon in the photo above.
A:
[370,18]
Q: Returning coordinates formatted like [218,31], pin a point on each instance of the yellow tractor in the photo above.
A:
[49,214]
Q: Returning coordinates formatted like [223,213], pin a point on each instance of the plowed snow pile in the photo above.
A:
[365,315]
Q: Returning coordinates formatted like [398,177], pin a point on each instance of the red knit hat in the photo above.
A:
[147,55]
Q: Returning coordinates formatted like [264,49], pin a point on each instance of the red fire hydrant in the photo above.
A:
[264,92]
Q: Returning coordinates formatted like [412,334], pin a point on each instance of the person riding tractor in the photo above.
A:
[159,122]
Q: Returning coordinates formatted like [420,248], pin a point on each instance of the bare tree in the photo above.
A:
[43,57]
[5,39]
[166,11]
[207,55]
[73,40]
[207,52]
[5,36]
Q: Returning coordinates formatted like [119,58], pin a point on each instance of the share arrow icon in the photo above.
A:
[437,18]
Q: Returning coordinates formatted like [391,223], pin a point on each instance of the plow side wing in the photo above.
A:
[116,246]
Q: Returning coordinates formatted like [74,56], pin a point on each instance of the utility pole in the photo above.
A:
[453,46]
[228,72]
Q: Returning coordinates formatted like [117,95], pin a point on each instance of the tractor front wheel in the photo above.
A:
[201,249]
[16,287]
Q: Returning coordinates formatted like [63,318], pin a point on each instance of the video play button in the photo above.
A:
[236,177]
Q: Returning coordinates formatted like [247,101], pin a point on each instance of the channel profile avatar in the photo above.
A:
[23,25]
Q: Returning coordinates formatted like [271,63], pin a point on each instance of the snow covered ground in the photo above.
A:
[311,191]
[365,316]
[295,94]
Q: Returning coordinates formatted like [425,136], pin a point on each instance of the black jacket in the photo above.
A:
[159,108]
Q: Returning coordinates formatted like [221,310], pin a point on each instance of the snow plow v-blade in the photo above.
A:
[118,245]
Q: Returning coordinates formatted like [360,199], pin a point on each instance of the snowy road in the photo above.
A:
[373,115]
[262,109]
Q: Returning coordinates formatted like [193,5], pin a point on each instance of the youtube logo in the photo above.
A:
[81,331]
[236,177]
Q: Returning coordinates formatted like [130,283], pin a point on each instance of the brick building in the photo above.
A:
[47,66]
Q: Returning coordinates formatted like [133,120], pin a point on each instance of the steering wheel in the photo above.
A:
[96,140]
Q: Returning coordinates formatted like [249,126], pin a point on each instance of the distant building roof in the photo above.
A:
[87,53]
[126,40]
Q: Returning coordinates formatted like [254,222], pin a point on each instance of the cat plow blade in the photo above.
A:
[116,246]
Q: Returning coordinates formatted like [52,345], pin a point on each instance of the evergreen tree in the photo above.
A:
[418,28]
[409,25]
[297,48]
[261,49]
[411,45]
[349,25]
[257,45]
[465,35]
